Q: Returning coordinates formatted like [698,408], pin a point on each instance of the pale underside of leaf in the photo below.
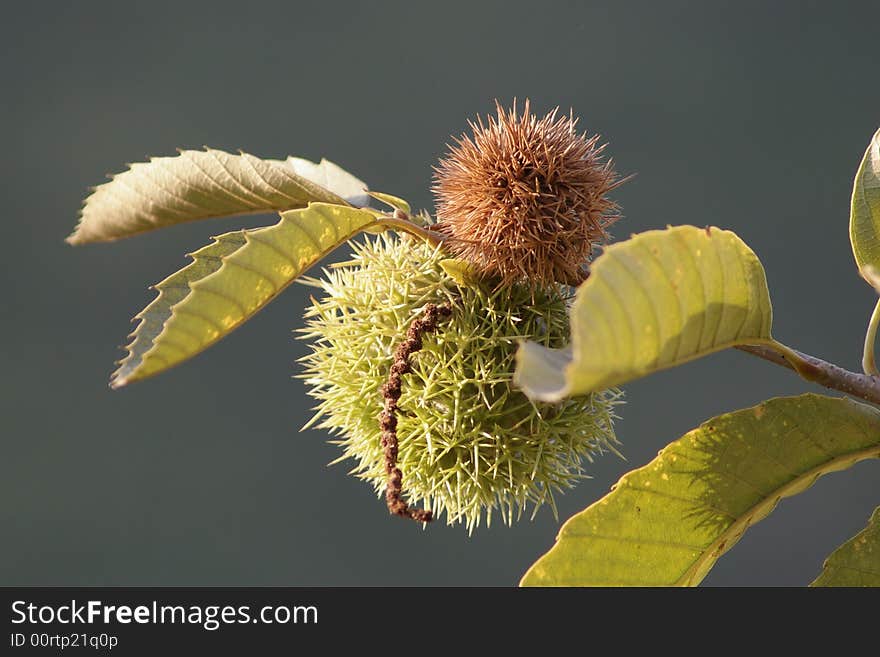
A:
[333,178]
[657,300]
[864,222]
[666,524]
[856,562]
[207,184]
[228,282]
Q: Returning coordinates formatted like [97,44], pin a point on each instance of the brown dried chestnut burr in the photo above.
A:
[525,199]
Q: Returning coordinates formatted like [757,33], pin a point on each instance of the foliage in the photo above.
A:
[855,563]
[229,281]
[473,433]
[864,226]
[667,523]
[202,184]
[652,302]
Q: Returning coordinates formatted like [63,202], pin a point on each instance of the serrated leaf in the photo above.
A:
[206,184]
[657,300]
[332,177]
[856,562]
[864,219]
[668,523]
[228,282]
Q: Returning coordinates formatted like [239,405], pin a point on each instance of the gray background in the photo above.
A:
[746,116]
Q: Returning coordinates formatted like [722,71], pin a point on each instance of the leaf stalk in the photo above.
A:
[816,370]
[869,365]
[403,224]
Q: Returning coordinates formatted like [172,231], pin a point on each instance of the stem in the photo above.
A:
[828,375]
[868,363]
[404,224]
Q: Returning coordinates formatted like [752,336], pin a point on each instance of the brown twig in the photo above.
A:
[426,323]
[825,374]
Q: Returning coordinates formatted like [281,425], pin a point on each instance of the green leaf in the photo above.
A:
[460,271]
[668,523]
[205,184]
[864,219]
[394,201]
[655,301]
[856,562]
[228,282]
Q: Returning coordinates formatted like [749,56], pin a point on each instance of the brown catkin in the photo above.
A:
[412,343]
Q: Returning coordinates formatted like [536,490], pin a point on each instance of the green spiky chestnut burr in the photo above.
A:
[469,441]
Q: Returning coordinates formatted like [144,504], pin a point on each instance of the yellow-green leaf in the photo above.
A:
[668,523]
[206,184]
[394,201]
[856,562]
[864,219]
[459,270]
[659,299]
[230,280]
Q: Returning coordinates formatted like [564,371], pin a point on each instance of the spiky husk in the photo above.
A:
[524,199]
[469,441]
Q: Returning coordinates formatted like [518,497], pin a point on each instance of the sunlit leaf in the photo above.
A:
[657,300]
[206,184]
[864,219]
[461,271]
[230,280]
[393,201]
[333,178]
[856,562]
[668,523]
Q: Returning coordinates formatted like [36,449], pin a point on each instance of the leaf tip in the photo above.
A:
[117,382]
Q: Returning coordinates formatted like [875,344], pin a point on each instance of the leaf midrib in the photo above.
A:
[657,366]
[787,490]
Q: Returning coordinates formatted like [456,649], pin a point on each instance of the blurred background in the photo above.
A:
[749,116]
